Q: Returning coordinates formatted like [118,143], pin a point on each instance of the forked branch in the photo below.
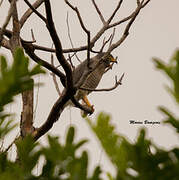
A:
[28,13]
[67,77]
[84,28]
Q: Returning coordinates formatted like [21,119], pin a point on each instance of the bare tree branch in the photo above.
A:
[29,48]
[26,125]
[55,113]
[115,11]
[105,42]
[84,28]
[146,3]
[121,21]
[95,38]
[71,63]
[70,91]
[35,11]
[27,14]
[15,38]
[71,42]
[67,78]
[59,53]
[30,51]
[112,37]
[93,41]
[37,99]
[8,17]
[126,30]
[54,78]
[99,12]
[33,37]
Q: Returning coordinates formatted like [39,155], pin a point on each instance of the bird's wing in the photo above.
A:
[80,69]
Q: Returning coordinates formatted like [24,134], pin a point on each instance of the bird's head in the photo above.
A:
[109,59]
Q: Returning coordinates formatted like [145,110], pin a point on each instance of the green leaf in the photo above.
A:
[96,174]
[17,78]
[70,135]
[36,70]
[3,66]
[27,155]
[79,144]
[171,119]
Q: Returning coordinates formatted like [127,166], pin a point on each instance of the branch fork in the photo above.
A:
[13,40]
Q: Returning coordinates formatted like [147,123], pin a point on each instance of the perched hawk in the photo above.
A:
[100,62]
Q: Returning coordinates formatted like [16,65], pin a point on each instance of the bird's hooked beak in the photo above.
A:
[113,60]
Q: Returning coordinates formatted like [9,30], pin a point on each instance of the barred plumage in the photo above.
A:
[94,77]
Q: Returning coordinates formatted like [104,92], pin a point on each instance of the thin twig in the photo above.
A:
[121,21]
[145,3]
[117,83]
[33,37]
[69,59]
[29,48]
[35,11]
[94,39]
[30,51]
[115,11]
[7,20]
[69,36]
[105,42]
[27,14]
[112,37]
[54,77]
[126,30]
[84,28]
[37,99]
[99,12]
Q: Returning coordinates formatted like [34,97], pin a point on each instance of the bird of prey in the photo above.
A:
[99,64]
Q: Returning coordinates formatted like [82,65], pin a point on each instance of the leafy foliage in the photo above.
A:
[141,160]
[135,157]
[17,78]
[61,161]
[172,71]
[14,80]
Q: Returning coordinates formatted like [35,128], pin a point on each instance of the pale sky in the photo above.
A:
[154,34]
